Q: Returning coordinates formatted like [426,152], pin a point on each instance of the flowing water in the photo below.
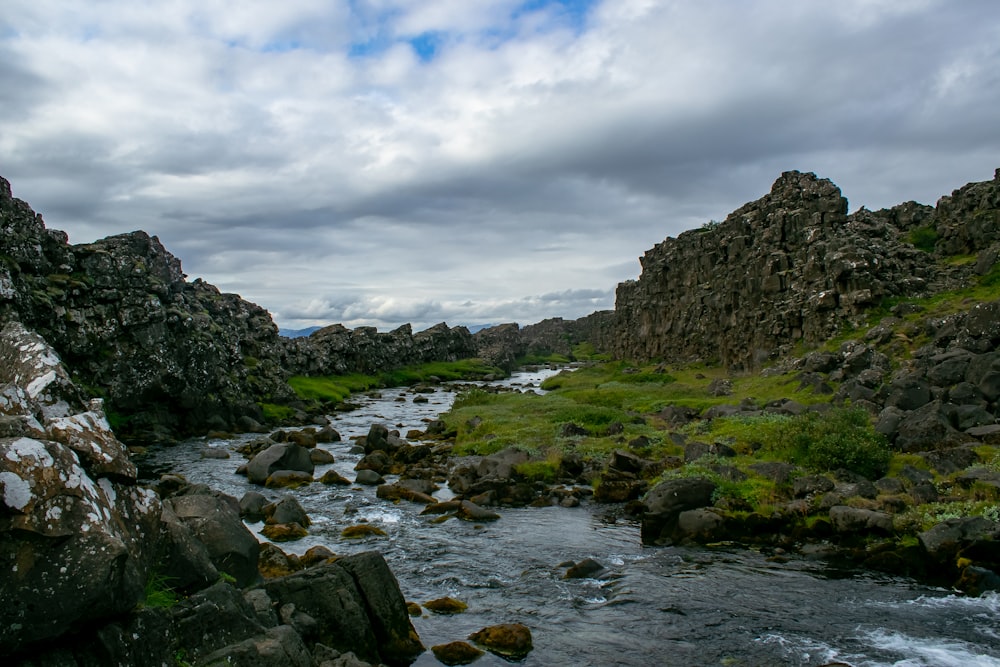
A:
[650,606]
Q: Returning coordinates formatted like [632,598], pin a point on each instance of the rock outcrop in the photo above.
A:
[792,267]
[78,537]
[335,349]
[169,356]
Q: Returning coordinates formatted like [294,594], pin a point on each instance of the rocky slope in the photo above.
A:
[793,267]
[170,356]
[83,546]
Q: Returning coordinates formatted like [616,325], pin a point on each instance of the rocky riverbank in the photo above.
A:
[893,314]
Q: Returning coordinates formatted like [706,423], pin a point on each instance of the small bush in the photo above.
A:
[841,438]
[923,238]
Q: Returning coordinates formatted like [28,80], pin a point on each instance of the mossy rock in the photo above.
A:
[284,532]
[508,640]
[361,530]
[446,605]
[456,653]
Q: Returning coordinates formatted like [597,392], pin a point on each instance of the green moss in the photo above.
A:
[276,413]
[337,388]
[158,593]
[923,238]
[538,471]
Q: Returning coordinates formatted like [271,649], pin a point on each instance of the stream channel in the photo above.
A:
[651,606]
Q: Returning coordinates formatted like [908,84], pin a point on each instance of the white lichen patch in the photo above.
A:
[38,385]
[28,448]
[16,491]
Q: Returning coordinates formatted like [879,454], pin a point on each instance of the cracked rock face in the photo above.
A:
[77,535]
[792,266]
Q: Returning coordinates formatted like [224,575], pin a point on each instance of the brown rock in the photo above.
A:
[508,640]
[456,653]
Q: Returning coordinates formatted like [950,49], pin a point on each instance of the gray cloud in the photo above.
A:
[318,164]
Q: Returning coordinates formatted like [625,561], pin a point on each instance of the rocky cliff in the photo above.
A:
[793,267]
[83,547]
[169,356]
[335,349]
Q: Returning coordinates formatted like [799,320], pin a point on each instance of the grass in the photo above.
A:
[338,388]
[158,593]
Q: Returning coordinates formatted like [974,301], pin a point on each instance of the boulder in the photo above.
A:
[456,653]
[665,502]
[279,456]
[286,510]
[927,428]
[288,479]
[355,605]
[851,520]
[320,456]
[212,619]
[511,641]
[699,525]
[84,547]
[215,521]
[976,538]
[280,646]
[184,559]
[369,478]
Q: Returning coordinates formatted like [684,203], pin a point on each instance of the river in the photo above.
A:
[650,606]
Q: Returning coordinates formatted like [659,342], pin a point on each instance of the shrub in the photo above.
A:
[842,438]
[923,238]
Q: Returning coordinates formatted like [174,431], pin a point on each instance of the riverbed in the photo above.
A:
[649,606]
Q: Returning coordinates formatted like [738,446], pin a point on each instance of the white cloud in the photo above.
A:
[306,155]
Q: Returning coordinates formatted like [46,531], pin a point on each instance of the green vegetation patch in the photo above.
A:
[337,388]
[923,238]
[158,593]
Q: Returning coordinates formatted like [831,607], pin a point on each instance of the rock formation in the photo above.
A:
[169,356]
[336,350]
[790,267]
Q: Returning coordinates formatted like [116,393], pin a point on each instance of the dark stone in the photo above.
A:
[377,461]
[369,478]
[280,646]
[286,510]
[280,456]
[216,522]
[860,521]
[808,485]
[667,500]
[586,568]
[398,643]
[252,506]
[927,428]
[212,619]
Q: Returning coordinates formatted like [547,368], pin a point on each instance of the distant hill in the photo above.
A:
[297,333]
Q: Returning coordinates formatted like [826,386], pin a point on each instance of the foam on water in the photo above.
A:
[920,652]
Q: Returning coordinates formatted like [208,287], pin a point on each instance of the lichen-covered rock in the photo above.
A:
[789,267]
[354,604]
[78,538]
[72,548]
[215,521]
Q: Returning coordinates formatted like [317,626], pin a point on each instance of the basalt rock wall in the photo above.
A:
[171,356]
[336,349]
[793,267]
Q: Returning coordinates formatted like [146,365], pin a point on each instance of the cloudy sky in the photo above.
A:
[375,162]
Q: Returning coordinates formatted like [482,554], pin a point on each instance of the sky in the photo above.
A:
[381,162]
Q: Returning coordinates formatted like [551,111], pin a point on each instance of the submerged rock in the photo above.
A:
[508,640]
